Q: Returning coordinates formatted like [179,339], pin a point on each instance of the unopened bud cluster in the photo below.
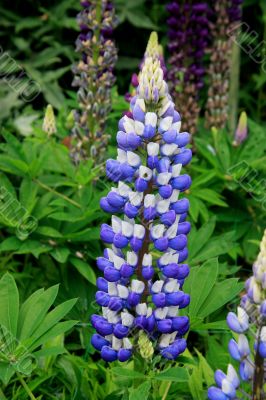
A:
[153,51]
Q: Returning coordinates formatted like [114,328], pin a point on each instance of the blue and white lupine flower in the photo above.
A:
[249,347]
[141,291]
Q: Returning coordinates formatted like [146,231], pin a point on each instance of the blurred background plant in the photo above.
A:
[49,208]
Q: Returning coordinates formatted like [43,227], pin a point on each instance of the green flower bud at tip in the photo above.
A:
[145,346]
[152,49]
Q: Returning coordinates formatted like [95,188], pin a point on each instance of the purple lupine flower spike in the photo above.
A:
[141,292]
[228,14]
[248,323]
[94,79]
[188,38]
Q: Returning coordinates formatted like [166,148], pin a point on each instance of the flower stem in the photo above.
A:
[146,243]
[234,86]
[74,203]
[258,383]
[166,390]
[26,387]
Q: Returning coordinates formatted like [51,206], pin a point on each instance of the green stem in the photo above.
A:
[26,387]
[258,380]
[234,86]
[92,125]
[74,203]
[166,390]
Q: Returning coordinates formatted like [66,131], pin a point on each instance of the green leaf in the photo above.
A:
[195,385]
[127,373]
[207,371]
[211,326]
[176,374]
[200,283]
[141,392]
[51,351]
[84,269]
[6,183]
[6,372]
[48,231]
[27,194]
[194,208]
[36,314]
[9,304]
[221,293]
[10,244]
[202,179]
[60,254]
[33,246]
[216,246]
[210,196]
[14,166]
[51,319]
[140,20]
[60,328]
[199,238]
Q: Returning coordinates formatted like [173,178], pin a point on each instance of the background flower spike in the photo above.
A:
[249,326]
[94,78]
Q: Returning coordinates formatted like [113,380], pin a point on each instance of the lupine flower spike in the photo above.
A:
[248,348]
[242,130]
[228,15]
[188,38]
[94,78]
[144,270]
[49,124]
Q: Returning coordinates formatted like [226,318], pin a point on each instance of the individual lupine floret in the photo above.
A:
[227,385]
[250,325]
[94,78]
[143,267]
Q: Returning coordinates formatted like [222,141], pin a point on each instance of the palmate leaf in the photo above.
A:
[24,329]
[50,320]
[201,280]
[222,293]
[36,313]
[202,247]
[208,295]
[197,239]
[174,374]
